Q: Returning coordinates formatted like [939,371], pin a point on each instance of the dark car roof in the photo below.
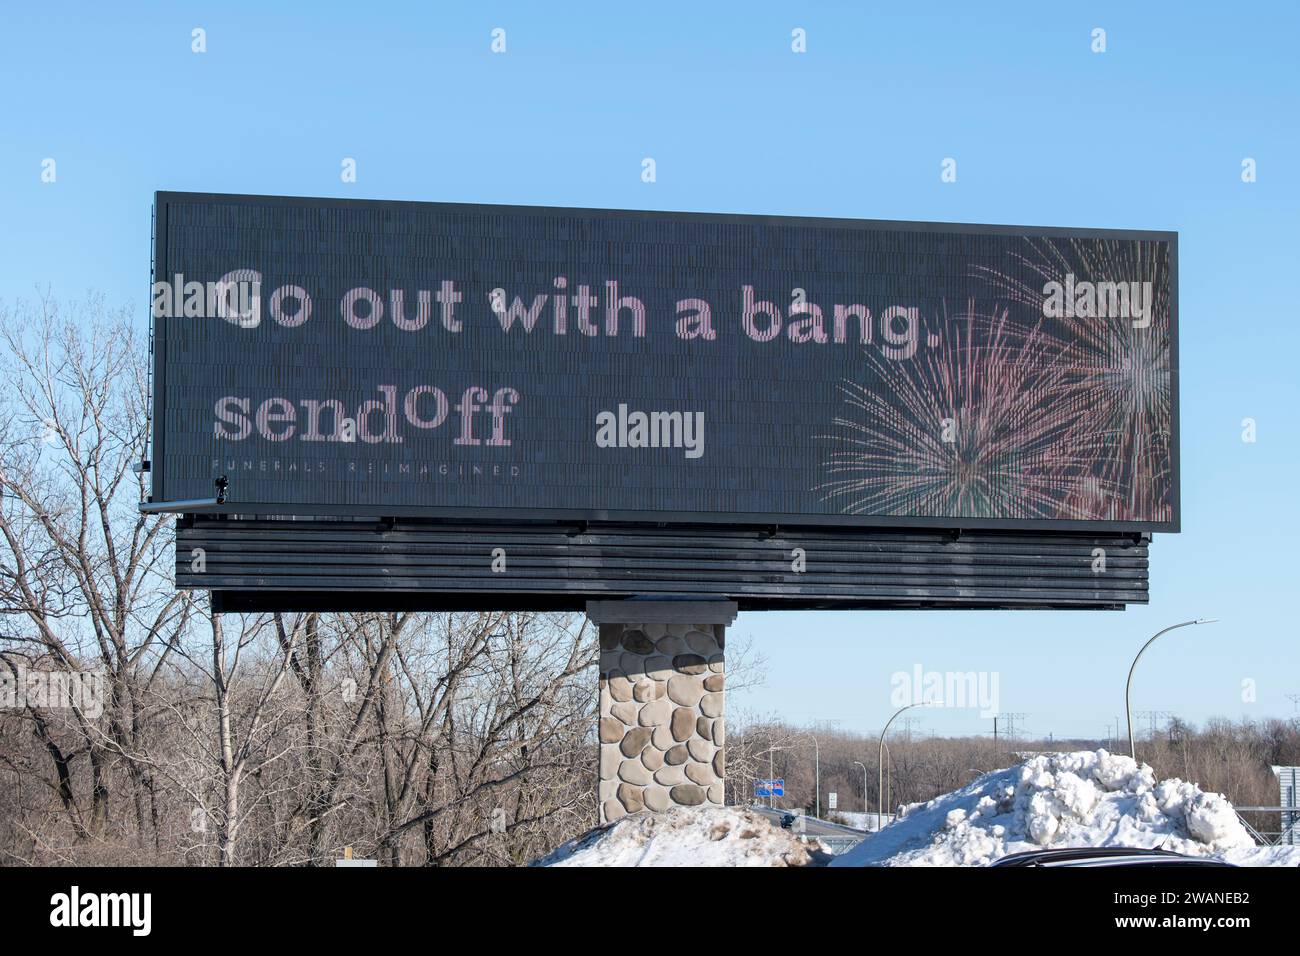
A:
[1085,856]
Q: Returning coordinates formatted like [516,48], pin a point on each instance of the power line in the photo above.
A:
[1011,719]
[908,723]
[1153,716]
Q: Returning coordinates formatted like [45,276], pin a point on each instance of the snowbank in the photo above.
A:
[1067,799]
[859,820]
[695,836]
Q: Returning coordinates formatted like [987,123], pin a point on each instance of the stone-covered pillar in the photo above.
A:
[662,732]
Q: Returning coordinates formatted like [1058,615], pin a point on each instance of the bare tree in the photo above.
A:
[81,570]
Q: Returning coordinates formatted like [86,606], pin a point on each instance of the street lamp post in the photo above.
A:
[817,768]
[1128,686]
[889,777]
[771,773]
[880,764]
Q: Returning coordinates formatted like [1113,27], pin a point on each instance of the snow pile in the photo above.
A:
[1061,800]
[695,836]
[860,820]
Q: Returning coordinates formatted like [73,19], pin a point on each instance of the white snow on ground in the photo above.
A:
[696,836]
[1060,800]
[1051,800]
[860,820]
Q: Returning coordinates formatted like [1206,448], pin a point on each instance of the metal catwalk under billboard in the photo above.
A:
[333,357]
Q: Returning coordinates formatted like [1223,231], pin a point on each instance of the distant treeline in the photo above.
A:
[1232,758]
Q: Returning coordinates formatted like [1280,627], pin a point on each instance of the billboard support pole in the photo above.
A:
[661,722]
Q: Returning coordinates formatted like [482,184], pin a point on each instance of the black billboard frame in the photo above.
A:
[158,349]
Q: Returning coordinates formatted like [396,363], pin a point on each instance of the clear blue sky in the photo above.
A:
[1150,134]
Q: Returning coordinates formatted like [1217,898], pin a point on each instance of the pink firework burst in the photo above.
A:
[1119,369]
[984,426]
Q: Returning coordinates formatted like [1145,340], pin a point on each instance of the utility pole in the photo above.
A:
[1295,699]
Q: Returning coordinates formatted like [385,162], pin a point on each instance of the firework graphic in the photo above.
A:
[1121,369]
[981,426]
[1017,413]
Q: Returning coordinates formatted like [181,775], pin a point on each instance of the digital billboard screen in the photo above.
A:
[333,357]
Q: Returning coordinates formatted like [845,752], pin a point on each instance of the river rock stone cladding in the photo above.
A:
[661,717]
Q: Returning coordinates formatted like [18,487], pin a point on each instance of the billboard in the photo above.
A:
[342,357]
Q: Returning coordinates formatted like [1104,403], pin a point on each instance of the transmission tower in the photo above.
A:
[1153,717]
[1011,723]
[908,723]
